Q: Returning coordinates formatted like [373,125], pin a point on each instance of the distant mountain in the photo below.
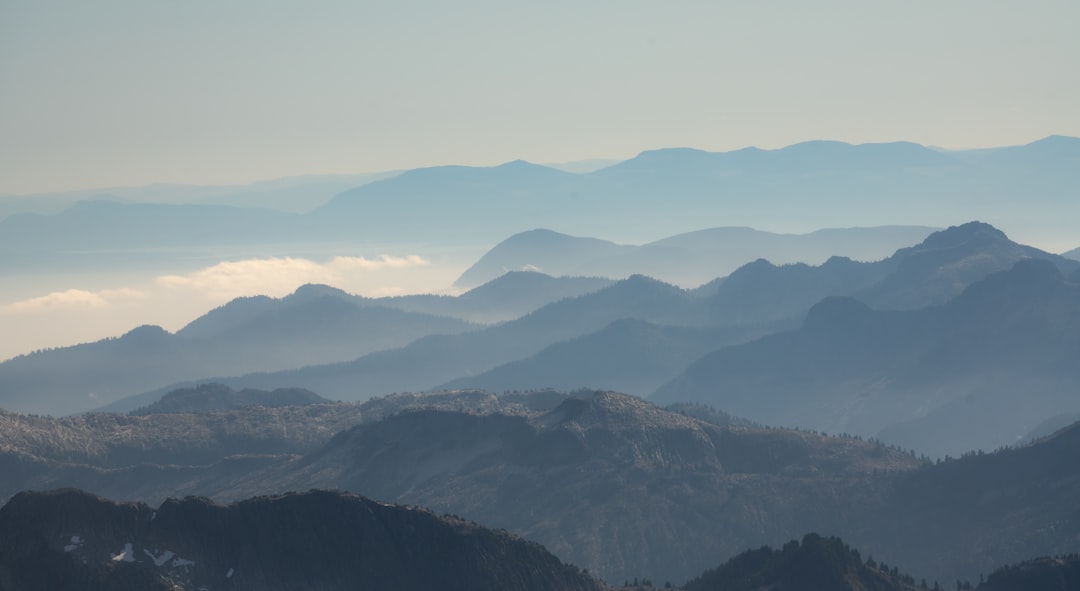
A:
[756,299]
[250,334]
[929,273]
[506,297]
[207,397]
[290,194]
[686,259]
[102,225]
[1073,254]
[659,192]
[308,541]
[816,563]
[545,251]
[941,380]
[449,203]
[628,355]
[433,360]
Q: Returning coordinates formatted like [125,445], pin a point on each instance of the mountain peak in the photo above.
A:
[964,233]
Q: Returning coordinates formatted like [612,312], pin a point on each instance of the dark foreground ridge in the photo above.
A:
[69,539]
[824,564]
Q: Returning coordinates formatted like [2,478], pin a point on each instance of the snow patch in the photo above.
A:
[76,543]
[183,562]
[125,555]
[153,516]
[160,560]
[228,575]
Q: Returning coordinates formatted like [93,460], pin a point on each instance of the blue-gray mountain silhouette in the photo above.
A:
[688,259]
[975,373]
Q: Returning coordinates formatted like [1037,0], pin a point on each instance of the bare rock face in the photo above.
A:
[70,539]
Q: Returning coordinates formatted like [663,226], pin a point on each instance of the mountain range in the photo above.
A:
[661,192]
[688,259]
[606,481]
[944,379]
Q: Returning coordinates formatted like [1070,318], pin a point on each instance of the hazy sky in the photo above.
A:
[129,92]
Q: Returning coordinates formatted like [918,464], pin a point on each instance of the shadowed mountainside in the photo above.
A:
[308,541]
[209,397]
[605,480]
[944,379]
[824,564]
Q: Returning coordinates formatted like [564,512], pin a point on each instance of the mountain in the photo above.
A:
[1058,573]
[314,540]
[628,355]
[150,456]
[607,481]
[657,193]
[291,194]
[250,334]
[435,359]
[207,397]
[541,250]
[446,203]
[506,297]
[1073,254]
[757,298]
[941,380]
[686,259]
[960,518]
[815,563]
[928,273]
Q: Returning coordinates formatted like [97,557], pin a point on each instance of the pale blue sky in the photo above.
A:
[130,92]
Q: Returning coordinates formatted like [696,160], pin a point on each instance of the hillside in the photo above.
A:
[940,380]
[308,541]
[210,397]
[628,355]
[604,480]
[823,564]
[251,334]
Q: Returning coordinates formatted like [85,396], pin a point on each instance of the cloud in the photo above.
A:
[280,275]
[72,299]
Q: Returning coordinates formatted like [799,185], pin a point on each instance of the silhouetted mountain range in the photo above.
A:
[756,299]
[688,259]
[628,355]
[976,373]
[322,541]
[252,334]
[662,192]
[1072,254]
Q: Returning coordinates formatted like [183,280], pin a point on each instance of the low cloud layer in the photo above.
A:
[279,276]
[77,315]
[72,299]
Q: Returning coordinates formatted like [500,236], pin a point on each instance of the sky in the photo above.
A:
[129,92]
